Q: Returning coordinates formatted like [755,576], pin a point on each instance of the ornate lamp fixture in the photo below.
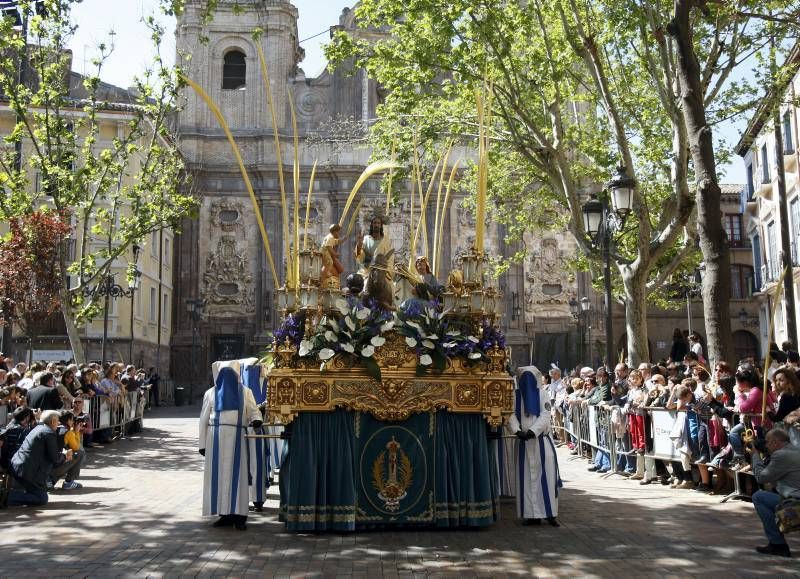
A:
[310,266]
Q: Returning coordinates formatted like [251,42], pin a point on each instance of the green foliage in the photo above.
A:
[578,89]
[116,189]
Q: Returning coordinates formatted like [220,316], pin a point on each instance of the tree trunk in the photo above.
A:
[72,331]
[635,285]
[713,239]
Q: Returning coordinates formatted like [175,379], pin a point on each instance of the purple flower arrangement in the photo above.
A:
[292,328]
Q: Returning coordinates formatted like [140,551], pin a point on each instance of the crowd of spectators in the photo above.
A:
[45,428]
[717,434]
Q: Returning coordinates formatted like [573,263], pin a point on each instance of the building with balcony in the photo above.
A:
[763,226]
[138,329]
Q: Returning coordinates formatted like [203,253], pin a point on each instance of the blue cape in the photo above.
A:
[528,395]
[227,390]
[251,377]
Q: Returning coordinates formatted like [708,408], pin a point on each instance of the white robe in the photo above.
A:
[225,480]
[375,248]
[258,456]
[508,461]
[538,477]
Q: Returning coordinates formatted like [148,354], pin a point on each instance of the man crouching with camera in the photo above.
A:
[782,470]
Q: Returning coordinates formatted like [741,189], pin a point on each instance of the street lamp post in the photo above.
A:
[693,289]
[575,310]
[195,307]
[580,312]
[137,279]
[601,222]
[109,290]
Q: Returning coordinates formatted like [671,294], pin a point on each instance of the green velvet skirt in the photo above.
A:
[345,471]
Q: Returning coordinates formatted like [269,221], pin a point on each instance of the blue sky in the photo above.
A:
[132,49]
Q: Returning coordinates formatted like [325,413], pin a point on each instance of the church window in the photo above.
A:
[234,70]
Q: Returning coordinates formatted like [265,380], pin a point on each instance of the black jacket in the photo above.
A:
[44,398]
[15,434]
[36,457]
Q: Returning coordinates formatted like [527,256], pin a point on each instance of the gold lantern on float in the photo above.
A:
[449,301]
[309,297]
[310,266]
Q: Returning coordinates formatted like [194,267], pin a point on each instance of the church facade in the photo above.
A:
[224,290]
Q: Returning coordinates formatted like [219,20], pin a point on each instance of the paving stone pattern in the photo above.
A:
[139,515]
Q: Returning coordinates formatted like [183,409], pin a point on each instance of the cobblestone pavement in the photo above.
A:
[139,514]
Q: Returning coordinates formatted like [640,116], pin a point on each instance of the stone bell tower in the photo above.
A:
[223,289]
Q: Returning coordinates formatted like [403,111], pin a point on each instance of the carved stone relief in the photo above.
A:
[549,285]
[227,214]
[227,281]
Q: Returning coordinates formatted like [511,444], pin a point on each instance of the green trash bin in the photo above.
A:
[181,396]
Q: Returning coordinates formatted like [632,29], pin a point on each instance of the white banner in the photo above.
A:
[662,421]
[51,355]
[593,425]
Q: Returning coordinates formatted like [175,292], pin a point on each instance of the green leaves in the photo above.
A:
[118,172]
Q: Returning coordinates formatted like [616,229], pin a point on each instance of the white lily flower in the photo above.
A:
[305,348]
[326,354]
[449,344]
[414,325]
[362,314]
[452,333]
[474,355]
[411,342]
[387,326]
[350,324]
[342,306]
[425,360]
[428,344]
[433,337]
[377,341]
[330,336]
[333,324]
[368,351]
[473,339]
[348,347]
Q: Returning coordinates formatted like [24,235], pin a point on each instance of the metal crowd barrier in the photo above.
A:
[589,427]
[116,414]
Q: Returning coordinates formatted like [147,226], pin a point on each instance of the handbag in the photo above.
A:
[787,515]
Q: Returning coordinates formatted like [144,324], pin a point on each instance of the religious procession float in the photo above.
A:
[388,410]
[390,387]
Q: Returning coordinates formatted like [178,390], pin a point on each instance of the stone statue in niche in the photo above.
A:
[227,282]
